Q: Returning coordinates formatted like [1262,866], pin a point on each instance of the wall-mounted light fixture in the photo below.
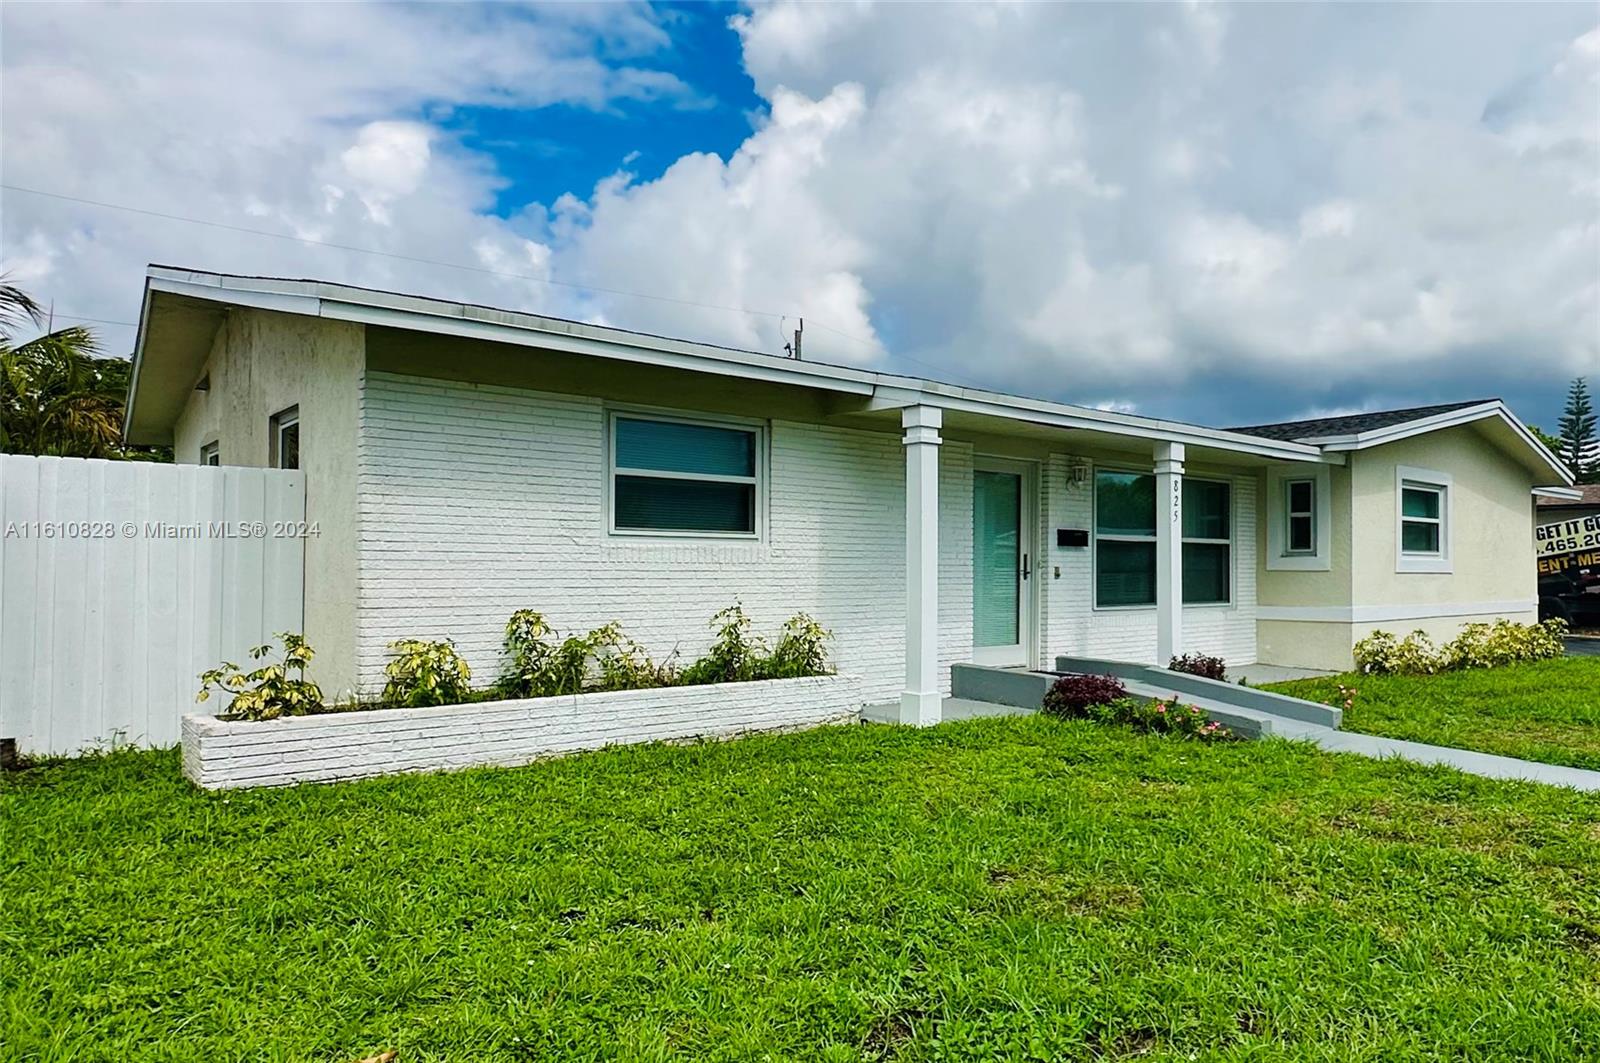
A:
[1079,470]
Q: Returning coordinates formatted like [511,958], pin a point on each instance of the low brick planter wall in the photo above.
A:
[220,754]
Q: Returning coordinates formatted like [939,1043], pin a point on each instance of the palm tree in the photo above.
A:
[56,396]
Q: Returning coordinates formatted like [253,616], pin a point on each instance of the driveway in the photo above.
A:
[1586,647]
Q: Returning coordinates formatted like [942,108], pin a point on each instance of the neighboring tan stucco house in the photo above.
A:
[463,462]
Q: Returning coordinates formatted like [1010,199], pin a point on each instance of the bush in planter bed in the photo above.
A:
[423,673]
[1077,696]
[1199,664]
[271,691]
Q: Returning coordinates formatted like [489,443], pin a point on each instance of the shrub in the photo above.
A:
[735,656]
[622,664]
[528,654]
[1380,653]
[1199,664]
[1477,646]
[271,691]
[1169,717]
[801,650]
[1075,696]
[425,673]
[1504,642]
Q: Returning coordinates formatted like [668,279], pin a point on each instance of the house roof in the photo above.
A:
[1352,424]
[1576,495]
[183,309]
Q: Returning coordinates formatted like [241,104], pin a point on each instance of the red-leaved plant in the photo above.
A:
[1072,696]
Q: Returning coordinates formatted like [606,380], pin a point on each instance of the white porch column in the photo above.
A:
[919,703]
[1169,551]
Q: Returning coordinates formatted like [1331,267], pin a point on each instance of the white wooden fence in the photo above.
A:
[121,581]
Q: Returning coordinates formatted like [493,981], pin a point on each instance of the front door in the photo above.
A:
[1002,562]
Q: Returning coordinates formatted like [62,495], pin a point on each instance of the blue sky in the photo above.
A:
[1220,213]
[545,152]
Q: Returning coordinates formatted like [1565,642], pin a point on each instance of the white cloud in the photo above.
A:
[1267,206]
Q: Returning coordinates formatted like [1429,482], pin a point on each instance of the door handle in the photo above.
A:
[1025,569]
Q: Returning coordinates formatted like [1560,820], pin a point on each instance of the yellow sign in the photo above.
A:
[1565,536]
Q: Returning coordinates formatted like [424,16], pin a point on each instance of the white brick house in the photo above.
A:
[463,462]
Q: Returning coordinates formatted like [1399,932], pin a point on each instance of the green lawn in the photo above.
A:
[1546,710]
[1001,889]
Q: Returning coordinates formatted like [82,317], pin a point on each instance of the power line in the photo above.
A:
[97,320]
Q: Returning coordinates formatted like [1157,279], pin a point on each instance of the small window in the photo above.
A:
[1300,517]
[285,439]
[1422,520]
[211,454]
[672,477]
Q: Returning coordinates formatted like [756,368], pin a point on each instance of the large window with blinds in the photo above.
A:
[1125,540]
[673,476]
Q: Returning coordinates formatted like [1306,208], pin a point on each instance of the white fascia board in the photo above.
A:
[138,360]
[1566,494]
[722,364]
[1059,415]
[1449,419]
[1406,429]
[887,390]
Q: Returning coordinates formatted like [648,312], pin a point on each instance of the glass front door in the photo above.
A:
[1001,562]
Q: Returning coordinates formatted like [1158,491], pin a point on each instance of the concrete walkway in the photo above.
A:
[1261,674]
[1486,765]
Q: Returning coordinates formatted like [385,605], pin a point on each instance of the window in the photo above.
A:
[284,442]
[683,477]
[1125,540]
[1207,542]
[211,454]
[1423,524]
[1421,521]
[1300,517]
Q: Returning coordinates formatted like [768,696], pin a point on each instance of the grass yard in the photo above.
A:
[1546,710]
[1001,889]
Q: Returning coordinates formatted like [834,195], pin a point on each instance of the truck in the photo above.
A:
[1568,556]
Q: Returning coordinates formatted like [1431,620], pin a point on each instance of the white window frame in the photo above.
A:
[1308,515]
[759,480]
[288,417]
[1232,542]
[1095,536]
[1279,559]
[210,451]
[1427,480]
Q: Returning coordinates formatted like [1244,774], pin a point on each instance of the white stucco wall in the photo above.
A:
[1312,619]
[261,363]
[477,500]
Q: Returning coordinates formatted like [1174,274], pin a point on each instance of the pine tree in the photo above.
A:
[1577,428]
